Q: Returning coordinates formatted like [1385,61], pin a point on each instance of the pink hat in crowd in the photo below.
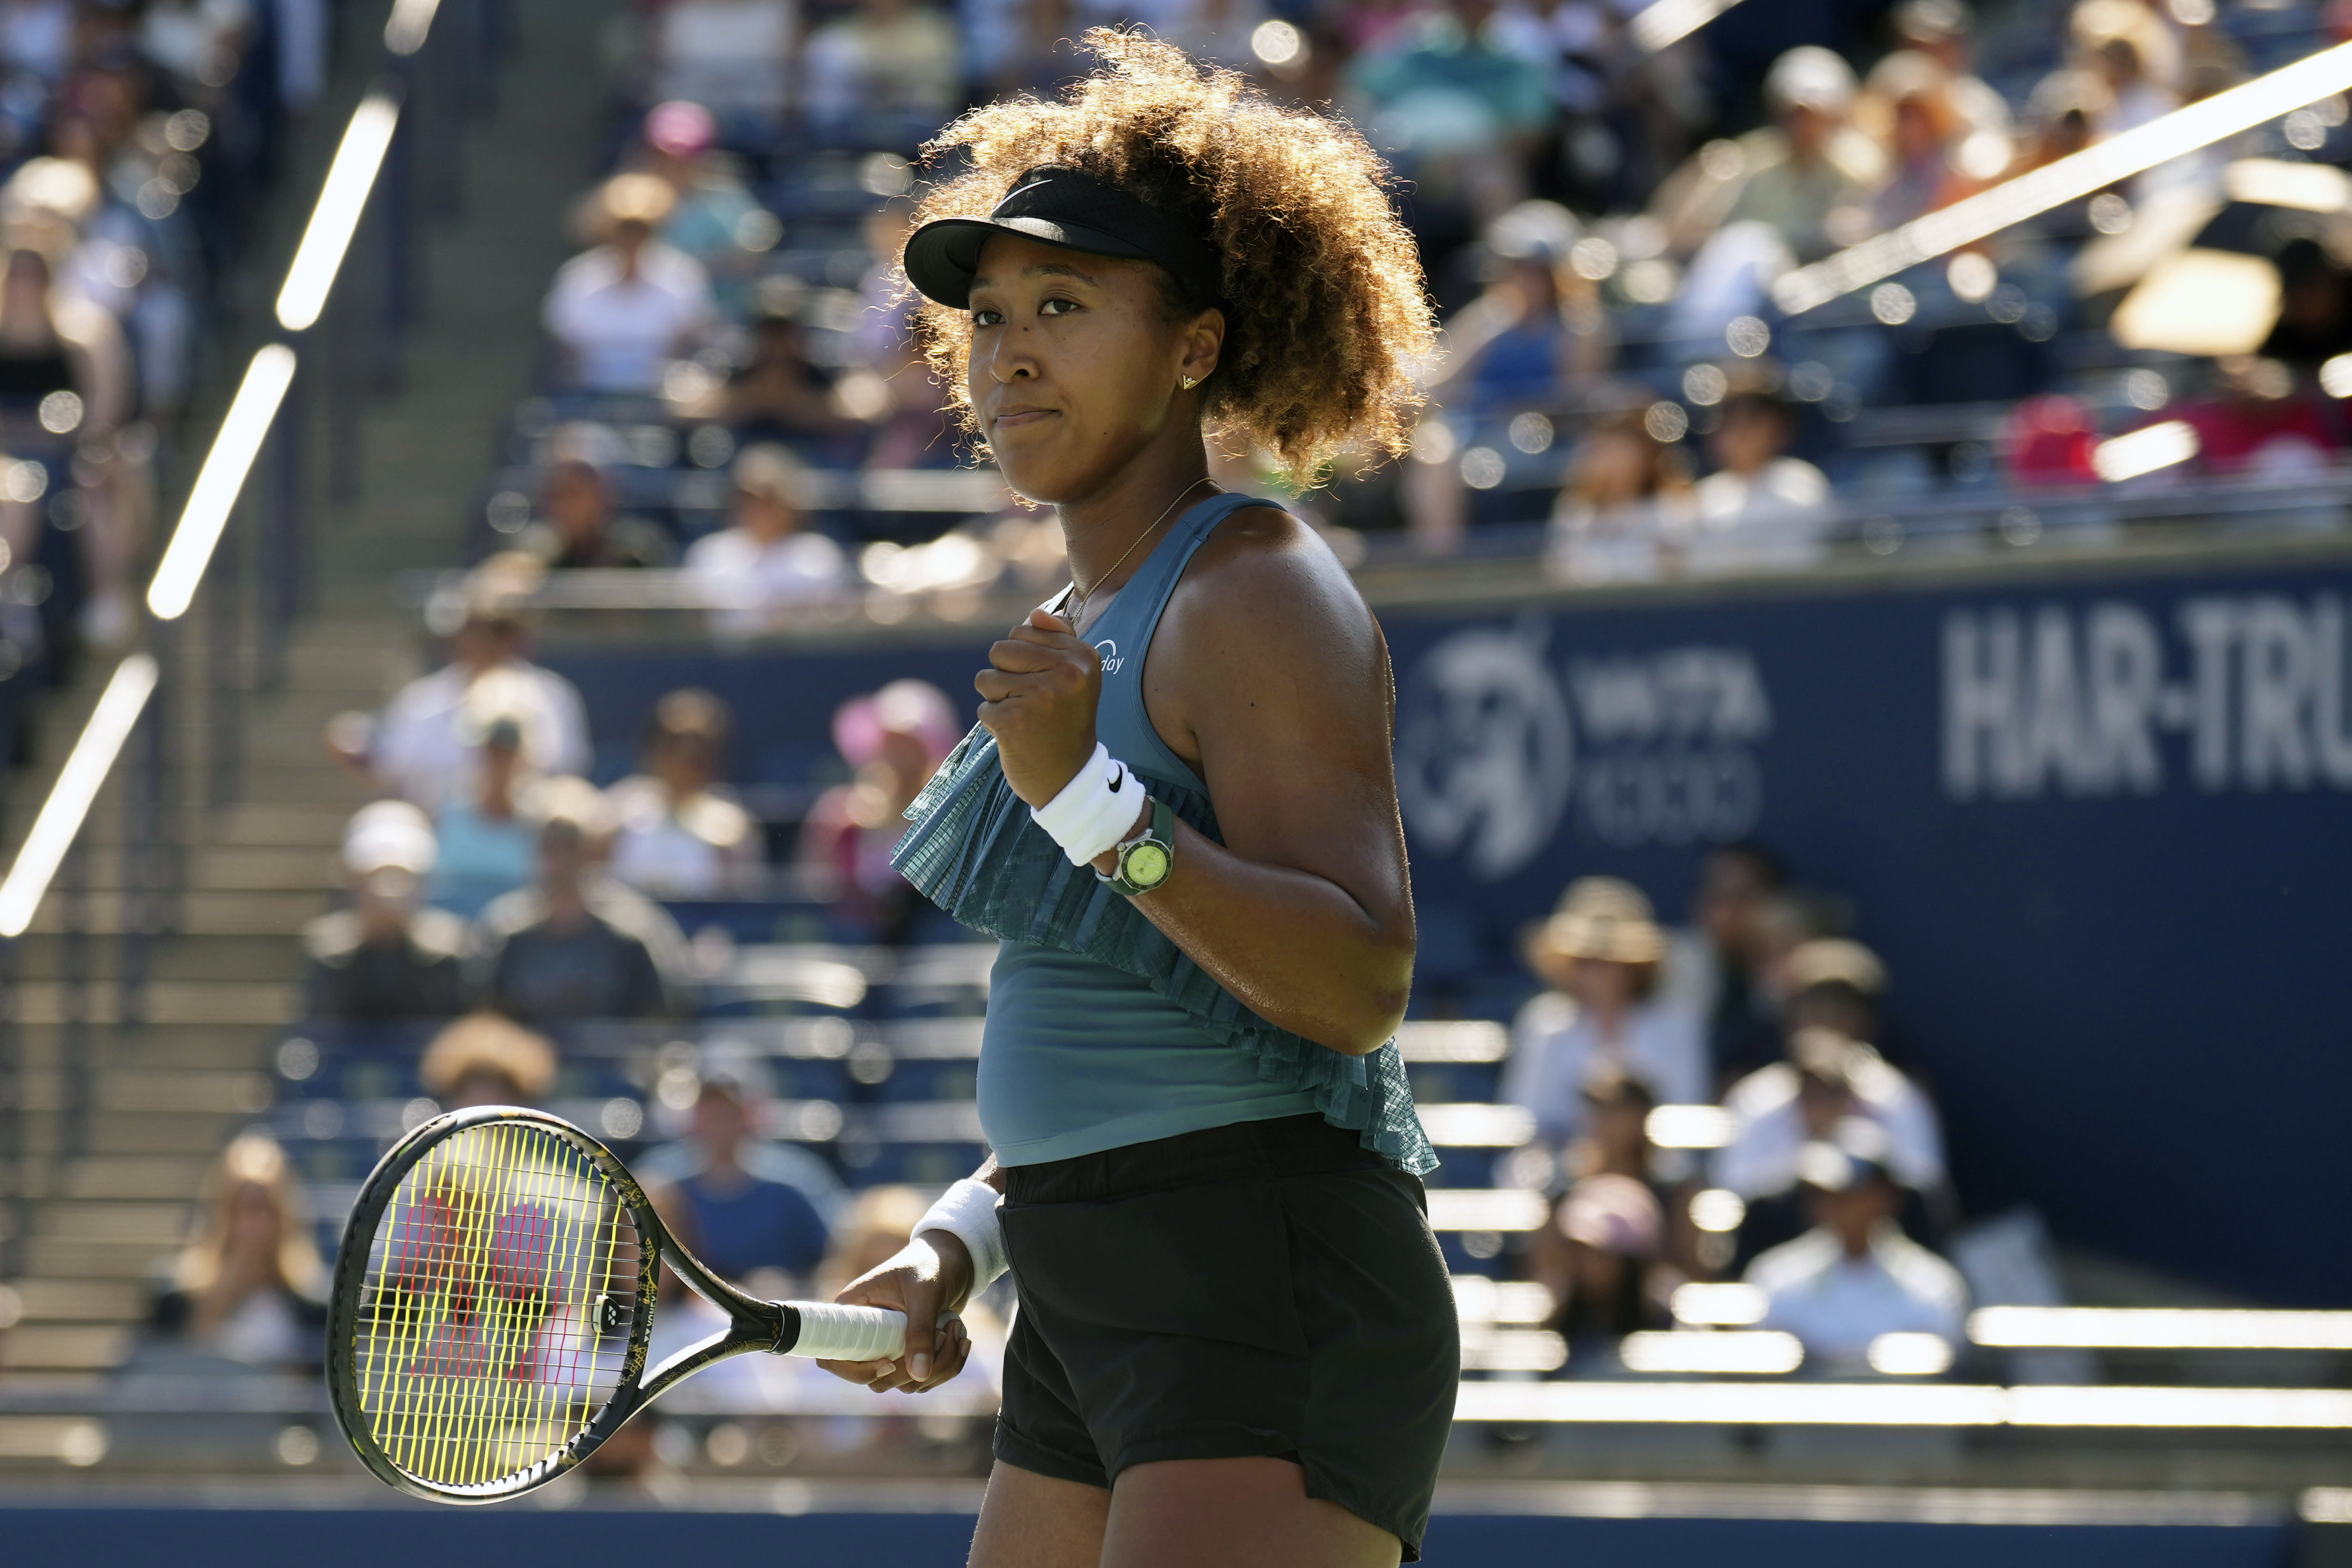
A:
[915,708]
[1614,1214]
[680,129]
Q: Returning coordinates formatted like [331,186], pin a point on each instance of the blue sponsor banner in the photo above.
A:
[2100,826]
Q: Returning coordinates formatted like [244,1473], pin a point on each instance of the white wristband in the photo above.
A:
[967,1211]
[1095,810]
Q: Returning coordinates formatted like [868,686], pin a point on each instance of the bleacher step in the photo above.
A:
[166,1001]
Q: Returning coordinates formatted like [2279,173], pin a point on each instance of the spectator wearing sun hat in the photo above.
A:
[622,310]
[1603,954]
[389,955]
[894,739]
[483,1058]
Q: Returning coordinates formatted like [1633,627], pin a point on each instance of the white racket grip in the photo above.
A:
[830,1331]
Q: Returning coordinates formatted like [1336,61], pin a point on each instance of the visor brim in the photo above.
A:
[941,256]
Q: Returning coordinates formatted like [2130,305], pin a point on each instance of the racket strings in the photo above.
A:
[498,1305]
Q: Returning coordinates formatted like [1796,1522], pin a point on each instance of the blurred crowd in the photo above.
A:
[729,396]
[1820,1178]
[729,388]
[135,138]
[247,1297]
[493,873]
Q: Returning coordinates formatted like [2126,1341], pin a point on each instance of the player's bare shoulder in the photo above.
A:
[1264,618]
[1265,584]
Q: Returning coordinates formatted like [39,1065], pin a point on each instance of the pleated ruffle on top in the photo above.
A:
[974,851]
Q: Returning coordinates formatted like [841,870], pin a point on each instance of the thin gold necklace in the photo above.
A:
[1080,597]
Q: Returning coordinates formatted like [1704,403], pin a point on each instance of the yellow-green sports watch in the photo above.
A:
[1146,859]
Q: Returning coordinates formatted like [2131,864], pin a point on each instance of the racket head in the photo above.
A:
[493,1305]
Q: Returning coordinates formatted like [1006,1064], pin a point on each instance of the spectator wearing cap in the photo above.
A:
[577,526]
[388,956]
[765,561]
[1610,1231]
[1602,955]
[487,832]
[1855,1276]
[577,943]
[1761,510]
[738,1218]
[679,833]
[886,56]
[1827,1077]
[1628,495]
[1806,179]
[485,1060]
[894,739]
[423,745]
[622,310]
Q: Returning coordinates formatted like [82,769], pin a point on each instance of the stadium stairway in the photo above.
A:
[106,1208]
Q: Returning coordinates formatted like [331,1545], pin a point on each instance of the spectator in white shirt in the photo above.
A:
[1779,1110]
[764,561]
[681,834]
[1601,953]
[1761,510]
[1855,1276]
[424,746]
[625,309]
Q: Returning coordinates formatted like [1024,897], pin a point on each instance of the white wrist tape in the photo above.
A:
[1095,810]
[967,1211]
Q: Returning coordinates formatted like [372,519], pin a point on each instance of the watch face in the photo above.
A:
[1147,865]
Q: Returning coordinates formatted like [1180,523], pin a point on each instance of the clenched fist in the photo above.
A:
[1038,697]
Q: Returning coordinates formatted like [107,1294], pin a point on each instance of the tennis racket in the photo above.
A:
[494,1301]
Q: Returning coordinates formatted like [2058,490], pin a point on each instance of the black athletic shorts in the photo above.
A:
[1269,1288]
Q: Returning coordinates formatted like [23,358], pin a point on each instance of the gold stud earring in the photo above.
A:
[1191,382]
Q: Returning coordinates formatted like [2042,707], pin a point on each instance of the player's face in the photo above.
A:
[1075,365]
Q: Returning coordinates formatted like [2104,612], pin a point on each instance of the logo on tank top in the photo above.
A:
[1109,648]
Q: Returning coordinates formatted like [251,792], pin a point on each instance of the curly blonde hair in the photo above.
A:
[1326,314]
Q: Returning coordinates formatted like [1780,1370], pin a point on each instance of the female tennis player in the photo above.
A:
[1235,1342]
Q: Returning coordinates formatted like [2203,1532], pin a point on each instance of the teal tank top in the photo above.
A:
[1101,1032]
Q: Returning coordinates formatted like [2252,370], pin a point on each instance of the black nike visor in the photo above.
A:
[1071,209]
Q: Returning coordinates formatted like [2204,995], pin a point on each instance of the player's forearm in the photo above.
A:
[1296,949]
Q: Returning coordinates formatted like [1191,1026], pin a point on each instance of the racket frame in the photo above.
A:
[752,1324]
